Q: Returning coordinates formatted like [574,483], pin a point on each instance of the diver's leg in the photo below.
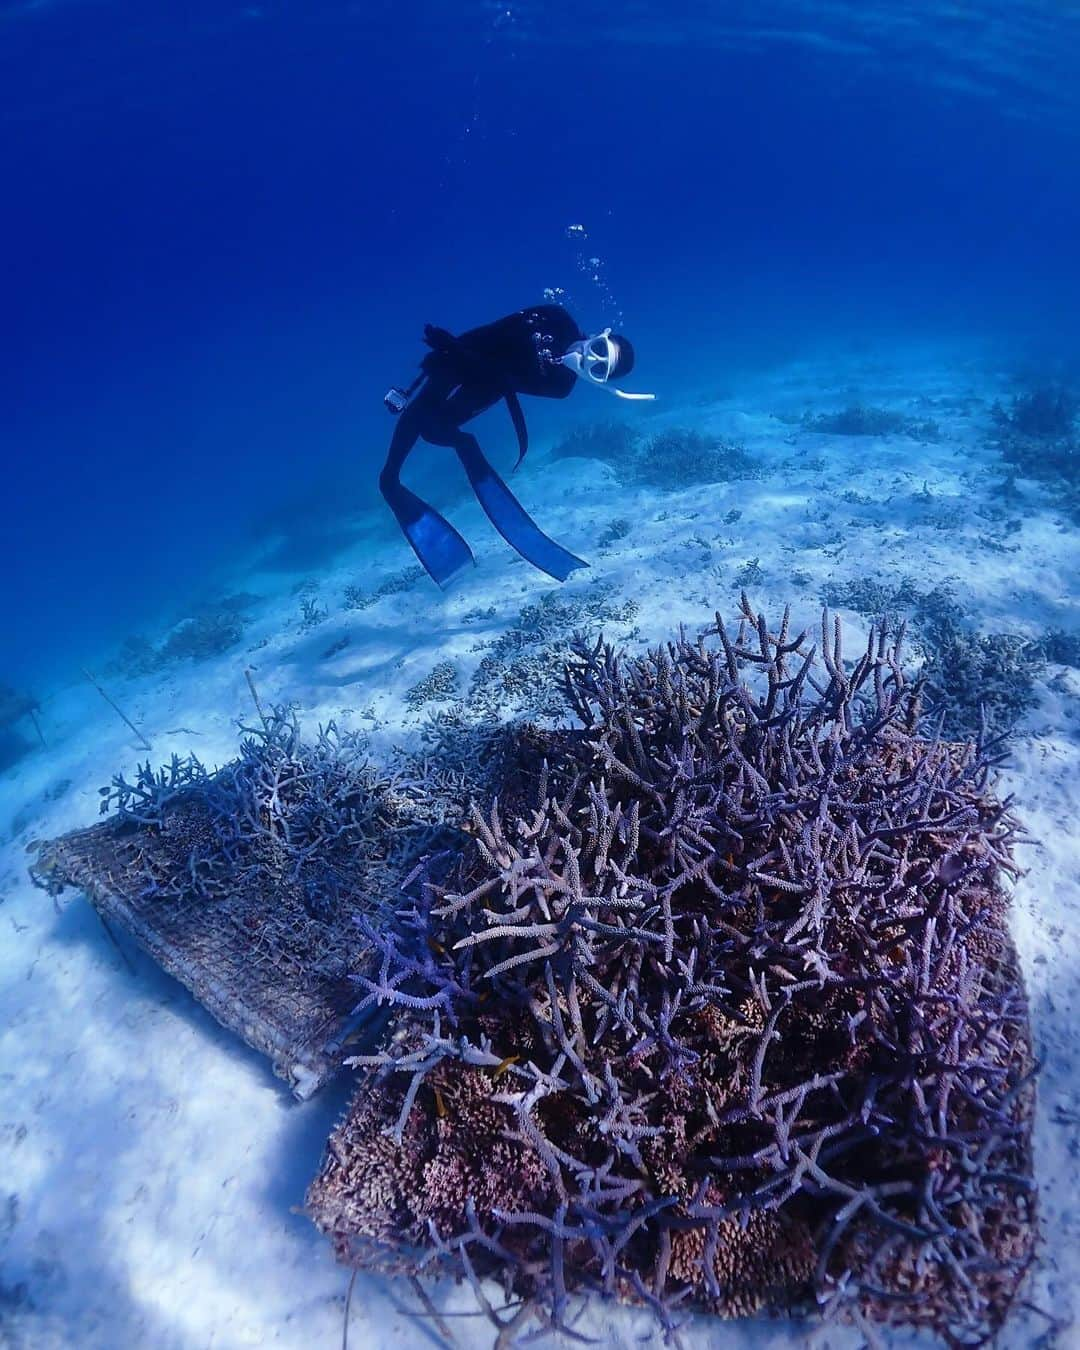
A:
[436,543]
[508,515]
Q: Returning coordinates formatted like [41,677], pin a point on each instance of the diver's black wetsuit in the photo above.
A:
[462,377]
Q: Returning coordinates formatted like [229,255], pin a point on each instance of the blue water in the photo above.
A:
[222,227]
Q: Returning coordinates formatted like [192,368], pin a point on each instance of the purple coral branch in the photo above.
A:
[737,970]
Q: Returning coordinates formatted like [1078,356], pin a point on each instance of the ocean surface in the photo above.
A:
[843,240]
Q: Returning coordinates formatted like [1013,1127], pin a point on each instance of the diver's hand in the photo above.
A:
[439,339]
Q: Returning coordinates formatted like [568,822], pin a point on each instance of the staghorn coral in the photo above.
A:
[680,457]
[311,613]
[462,758]
[867,595]
[728,1020]
[207,634]
[1060,647]
[355,597]
[521,668]
[749,574]
[976,680]
[440,686]
[971,679]
[308,816]
[245,882]
[859,420]
[1038,438]
[616,529]
[1048,413]
[615,442]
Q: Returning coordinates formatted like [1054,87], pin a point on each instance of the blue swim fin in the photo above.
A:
[512,520]
[434,540]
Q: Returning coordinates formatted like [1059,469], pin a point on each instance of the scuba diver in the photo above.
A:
[538,351]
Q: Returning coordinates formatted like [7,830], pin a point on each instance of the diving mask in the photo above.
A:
[594,359]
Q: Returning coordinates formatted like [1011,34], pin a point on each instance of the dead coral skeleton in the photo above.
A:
[730,1020]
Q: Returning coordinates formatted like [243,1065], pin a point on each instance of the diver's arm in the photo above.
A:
[469,366]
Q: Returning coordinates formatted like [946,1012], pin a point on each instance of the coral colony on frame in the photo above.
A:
[243,883]
[729,1020]
[707,1003]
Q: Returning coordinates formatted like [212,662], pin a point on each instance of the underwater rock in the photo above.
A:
[728,1018]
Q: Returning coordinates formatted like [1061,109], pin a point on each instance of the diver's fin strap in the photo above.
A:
[521,430]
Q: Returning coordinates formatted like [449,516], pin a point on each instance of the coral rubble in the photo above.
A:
[440,686]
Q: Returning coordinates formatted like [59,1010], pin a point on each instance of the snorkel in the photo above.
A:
[593,359]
